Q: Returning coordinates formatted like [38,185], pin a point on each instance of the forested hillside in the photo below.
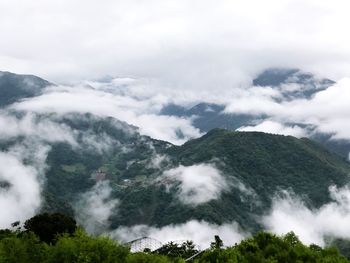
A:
[252,167]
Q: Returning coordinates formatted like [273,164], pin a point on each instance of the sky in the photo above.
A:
[183,51]
[181,44]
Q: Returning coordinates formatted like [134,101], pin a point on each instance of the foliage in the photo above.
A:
[150,258]
[22,246]
[48,226]
[83,248]
[174,250]
[266,247]
[217,244]
[343,245]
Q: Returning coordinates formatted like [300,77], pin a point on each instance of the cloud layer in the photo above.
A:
[327,111]
[104,102]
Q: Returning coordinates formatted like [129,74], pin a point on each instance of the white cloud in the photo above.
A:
[21,198]
[200,232]
[32,126]
[110,103]
[289,213]
[198,183]
[157,160]
[95,207]
[328,111]
[276,128]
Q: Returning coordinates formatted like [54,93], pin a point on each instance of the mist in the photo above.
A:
[200,232]
[312,225]
[142,113]
[21,198]
[198,183]
[93,208]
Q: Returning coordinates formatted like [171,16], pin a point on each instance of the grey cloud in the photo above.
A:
[182,44]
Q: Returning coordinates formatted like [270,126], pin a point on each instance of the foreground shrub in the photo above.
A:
[83,248]
[48,226]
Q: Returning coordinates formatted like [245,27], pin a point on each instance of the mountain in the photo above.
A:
[256,165]
[14,87]
[208,116]
[221,177]
[253,166]
[282,77]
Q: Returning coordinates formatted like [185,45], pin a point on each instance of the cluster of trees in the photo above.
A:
[267,248]
[55,238]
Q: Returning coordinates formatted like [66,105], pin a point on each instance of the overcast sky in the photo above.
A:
[182,44]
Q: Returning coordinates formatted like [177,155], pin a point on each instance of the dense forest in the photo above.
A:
[57,238]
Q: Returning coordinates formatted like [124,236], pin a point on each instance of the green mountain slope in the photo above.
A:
[265,164]
[255,167]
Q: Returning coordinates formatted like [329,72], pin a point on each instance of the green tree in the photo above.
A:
[48,226]
[81,247]
[23,248]
[174,250]
[217,244]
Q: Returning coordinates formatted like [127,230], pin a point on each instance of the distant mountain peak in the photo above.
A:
[278,76]
[14,87]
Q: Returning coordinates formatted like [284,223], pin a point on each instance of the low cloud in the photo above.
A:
[95,207]
[200,232]
[157,161]
[290,213]
[196,184]
[273,127]
[106,102]
[21,199]
[31,125]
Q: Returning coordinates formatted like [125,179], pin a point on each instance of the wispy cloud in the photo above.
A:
[95,207]
[196,184]
[290,213]
[21,198]
[107,103]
